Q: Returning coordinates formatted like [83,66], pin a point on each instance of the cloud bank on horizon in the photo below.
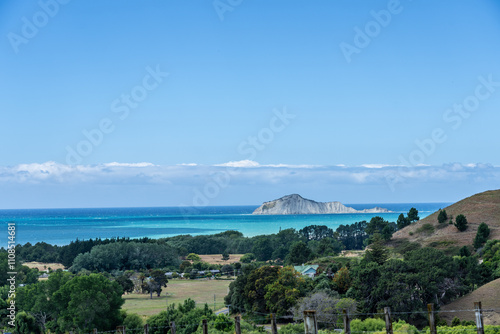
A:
[245,182]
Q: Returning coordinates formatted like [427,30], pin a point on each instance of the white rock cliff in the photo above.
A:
[297,205]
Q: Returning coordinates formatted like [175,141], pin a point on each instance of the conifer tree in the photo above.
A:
[378,252]
[442,216]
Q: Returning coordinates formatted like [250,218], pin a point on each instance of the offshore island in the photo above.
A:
[297,205]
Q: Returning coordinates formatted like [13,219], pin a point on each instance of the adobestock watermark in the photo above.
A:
[30,27]
[453,117]
[11,278]
[120,106]
[223,6]
[248,149]
[363,36]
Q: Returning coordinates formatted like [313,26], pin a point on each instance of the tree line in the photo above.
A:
[319,239]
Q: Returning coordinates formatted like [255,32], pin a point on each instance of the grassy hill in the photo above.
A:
[482,207]
[488,295]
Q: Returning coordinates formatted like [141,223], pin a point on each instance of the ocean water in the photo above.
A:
[61,226]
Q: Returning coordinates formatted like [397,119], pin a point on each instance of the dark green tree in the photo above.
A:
[282,242]
[483,232]
[255,288]
[402,221]
[352,236]
[413,215]
[455,322]
[325,247]
[133,321]
[442,216]
[461,223]
[282,294]
[378,224]
[156,281]
[299,253]
[378,252]
[88,302]
[262,249]
[464,251]
[126,283]
[225,256]
[236,296]
[26,323]
[247,258]
[316,232]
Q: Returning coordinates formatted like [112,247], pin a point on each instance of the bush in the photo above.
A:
[193,257]
[367,325]
[466,329]
[223,323]
[464,251]
[426,228]
[401,327]
[133,321]
[291,329]
[247,258]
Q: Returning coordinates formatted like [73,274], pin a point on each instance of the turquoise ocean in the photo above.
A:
[61,226]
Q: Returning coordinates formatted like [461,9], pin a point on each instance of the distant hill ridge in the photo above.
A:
[297,205]
[479,208]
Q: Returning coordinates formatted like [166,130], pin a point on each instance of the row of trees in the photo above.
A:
[126,256]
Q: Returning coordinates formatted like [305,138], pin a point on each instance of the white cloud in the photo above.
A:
[119,164]
[52,184]
[376,165]
[241,164]
[245,171]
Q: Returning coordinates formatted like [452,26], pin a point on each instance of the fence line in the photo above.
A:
[311,322]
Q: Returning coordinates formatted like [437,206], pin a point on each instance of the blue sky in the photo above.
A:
[132,92]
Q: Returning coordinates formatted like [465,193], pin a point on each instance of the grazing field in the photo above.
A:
[217,258]
[482,207]
[43,266]
[352,253]
[201,291]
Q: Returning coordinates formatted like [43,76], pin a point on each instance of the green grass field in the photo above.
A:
[201,291]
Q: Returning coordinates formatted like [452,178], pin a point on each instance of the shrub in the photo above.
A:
[455,322]
[367,325]
[223,323]
[291,329]
[466,329]
[426,228]
[133,321]
[193,257]
[247,258]
[464,251]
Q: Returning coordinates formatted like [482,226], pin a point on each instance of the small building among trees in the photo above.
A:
[309,270]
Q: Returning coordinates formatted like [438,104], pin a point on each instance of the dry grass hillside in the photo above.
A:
[482,207]
[488,295]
